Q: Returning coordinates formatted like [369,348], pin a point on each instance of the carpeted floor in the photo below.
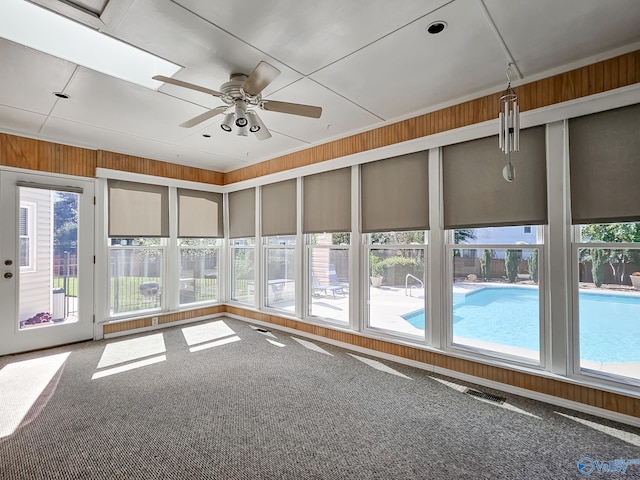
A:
[222,400]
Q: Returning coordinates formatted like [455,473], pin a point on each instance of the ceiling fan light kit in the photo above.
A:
[241,93]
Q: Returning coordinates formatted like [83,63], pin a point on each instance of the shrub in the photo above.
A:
[511,264]
[533,265]
[397,267]
[376,269]
[485,264]
[598,259]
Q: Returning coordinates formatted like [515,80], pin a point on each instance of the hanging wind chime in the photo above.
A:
[509,137]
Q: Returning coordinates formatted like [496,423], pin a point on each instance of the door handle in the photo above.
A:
[8,275]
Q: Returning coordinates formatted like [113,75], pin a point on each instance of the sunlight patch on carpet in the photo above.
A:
[628,437]
[21,384]
[312,346]
[132,350]
[277,344]
[380,366]
[128,366]
[207,332]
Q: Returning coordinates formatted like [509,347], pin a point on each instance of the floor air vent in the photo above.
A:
[486,396]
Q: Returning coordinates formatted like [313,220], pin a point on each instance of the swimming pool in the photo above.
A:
[609,324]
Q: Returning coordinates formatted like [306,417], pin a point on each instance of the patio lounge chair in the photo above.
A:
[333,286]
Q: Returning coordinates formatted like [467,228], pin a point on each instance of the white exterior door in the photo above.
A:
[46,260]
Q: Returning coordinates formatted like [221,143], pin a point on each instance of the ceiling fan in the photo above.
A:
[241,95]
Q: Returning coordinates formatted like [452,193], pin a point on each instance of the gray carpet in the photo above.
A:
[255,409]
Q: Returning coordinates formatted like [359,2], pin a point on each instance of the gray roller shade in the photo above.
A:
[242,213]
[604,159]
[327,202]
[395,194]
[279,208]
[138,209]
[475,194]
[199,214]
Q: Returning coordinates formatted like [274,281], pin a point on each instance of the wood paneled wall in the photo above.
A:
[128,163]
[21,152]
[589,80]
[32,154]
[163,319]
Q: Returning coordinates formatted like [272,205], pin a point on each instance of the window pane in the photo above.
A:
[396,290]
[281,281]
[242,275]
[609,310]
[398,238]
[198,271]
[496,235]
[280,240]
[135,279]
[610,232]
[329,269]
[330,239]
[496,301]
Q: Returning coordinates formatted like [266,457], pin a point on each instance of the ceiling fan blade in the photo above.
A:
[261,76]
[292,108]
[191,86]
[205,116]
[263,133]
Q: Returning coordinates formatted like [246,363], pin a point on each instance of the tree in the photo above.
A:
[485,264]
[598,259]
[533,265]
[617,258]
[463,235]
[511,264]
[65,222]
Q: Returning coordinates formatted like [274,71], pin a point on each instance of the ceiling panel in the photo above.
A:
[105,102]
[546,33]
[98,138]
[208,54]
[243,150]
[30,77]
[310,35]
[339,115]
[20,121]
[412,70]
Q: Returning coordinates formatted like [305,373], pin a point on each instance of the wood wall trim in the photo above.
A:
[590,396]
[146,166]
[31,154]
[592,79]
[163,319]
[21,152]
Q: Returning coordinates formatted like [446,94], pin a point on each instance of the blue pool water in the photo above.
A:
[609,324]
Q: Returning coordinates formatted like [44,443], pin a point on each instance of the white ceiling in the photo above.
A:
[364,63]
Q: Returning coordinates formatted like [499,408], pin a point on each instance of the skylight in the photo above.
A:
[64,38]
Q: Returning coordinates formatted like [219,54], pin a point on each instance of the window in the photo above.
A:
[396,294]
[328,257]
[27,236]
[609,299]
[135,274]
[496,303]
[243,287]
[199,258]
[280,271]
